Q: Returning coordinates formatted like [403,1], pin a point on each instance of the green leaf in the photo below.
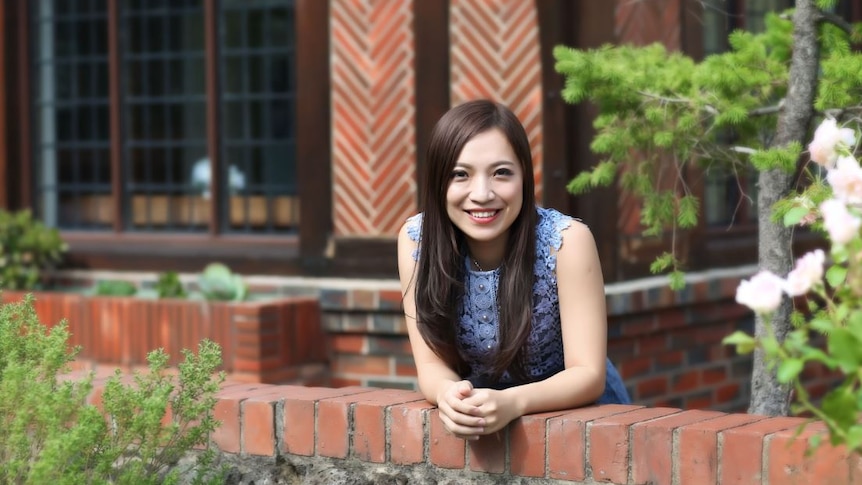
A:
[795,215]
[789,369]
[854,438]
[836,276]
[840,405]
[745,344]
[822,325]
[688,209]
[770,345]
[845,348]
[677,280]
[661,263]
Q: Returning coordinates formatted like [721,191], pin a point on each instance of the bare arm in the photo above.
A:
[583,317]
[438,383]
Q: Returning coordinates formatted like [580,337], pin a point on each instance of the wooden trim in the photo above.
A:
[364,257]
[557,115]
[4,112]
[691,29]
[116,114]
[594,27]
[182,252]
[431,47]
[313,132]
[213,114]
[25,106]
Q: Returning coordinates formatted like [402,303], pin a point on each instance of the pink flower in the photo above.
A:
[762,293]
[827,137]
[841,225]
[808,272]
[846,180]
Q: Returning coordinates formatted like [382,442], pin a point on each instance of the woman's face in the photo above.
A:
[485,191]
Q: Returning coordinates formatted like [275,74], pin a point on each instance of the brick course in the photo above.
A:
[609,444]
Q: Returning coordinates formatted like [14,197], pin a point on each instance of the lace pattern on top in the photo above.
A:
[479,324]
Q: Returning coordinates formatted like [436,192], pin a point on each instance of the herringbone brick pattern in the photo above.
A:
[373,131]
[495,54]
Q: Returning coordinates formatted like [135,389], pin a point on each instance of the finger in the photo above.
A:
[478,398]
[461,431]
[458,417]
[459,406]
[465,388]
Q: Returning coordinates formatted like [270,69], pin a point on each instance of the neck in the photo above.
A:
[487,255]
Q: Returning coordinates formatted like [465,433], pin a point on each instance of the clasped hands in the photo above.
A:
[469,413]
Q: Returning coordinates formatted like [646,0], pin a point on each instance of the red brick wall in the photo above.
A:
[394,431]
[666,344]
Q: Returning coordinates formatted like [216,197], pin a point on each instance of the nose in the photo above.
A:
[481,190]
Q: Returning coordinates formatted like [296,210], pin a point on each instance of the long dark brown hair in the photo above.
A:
[440,274]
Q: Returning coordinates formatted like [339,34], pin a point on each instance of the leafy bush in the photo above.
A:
[831,287]
[170,286]
[49,434]
[217,282]
[115,288]
[27,248]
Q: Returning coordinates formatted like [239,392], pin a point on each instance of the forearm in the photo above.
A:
[573,387]
[433,378]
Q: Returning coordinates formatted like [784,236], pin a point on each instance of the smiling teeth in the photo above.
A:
[483,215]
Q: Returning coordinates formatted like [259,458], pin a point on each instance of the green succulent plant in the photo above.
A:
[218,282]
[170,286]
[115,288]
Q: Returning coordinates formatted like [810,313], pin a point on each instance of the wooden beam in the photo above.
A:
[4,112]
[213,115]
[115,114]
[431,47]
[313,131]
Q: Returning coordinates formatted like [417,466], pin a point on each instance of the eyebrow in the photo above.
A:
[496,164]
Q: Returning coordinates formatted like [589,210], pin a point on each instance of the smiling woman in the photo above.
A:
[504,300]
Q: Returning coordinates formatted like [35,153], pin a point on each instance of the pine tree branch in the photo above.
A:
[767,110]
[838,113]
[709,109]
[837,21]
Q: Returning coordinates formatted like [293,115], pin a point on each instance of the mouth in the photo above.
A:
[483,215]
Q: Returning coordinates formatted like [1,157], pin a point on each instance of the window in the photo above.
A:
[161,178]
[731,199]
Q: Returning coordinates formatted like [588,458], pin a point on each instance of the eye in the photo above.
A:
[458,174]
[504,172]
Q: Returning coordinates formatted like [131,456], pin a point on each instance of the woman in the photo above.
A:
[504,300]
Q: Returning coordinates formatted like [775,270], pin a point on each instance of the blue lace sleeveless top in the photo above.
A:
[477,333]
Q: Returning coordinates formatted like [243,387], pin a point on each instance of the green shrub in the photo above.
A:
[49,434]
[217,282]
[170,286]
[115,288]
[27,248]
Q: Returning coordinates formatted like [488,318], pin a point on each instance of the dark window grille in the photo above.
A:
[73,178]
[258,136]
[164,113]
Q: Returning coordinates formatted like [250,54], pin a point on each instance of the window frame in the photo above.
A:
[301,253]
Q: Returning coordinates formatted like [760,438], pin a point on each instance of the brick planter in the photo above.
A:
[276,341]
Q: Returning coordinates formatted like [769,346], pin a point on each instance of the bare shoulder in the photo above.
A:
[407,251]
[406,238]
[578,247]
